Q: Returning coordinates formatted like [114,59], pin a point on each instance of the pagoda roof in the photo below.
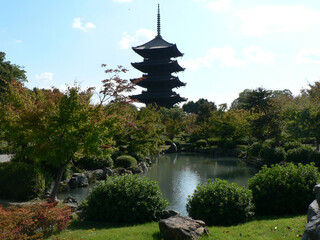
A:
[167,100]
[153,66]
[157,46]
[154,81]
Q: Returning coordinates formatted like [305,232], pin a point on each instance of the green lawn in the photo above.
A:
[262,229]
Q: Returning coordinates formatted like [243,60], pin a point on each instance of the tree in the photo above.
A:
[52,127]
[173,119]
[195,107]
[9,72]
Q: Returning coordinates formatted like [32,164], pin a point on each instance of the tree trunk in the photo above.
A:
[54,191]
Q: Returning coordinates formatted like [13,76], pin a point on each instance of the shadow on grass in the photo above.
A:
[86,225]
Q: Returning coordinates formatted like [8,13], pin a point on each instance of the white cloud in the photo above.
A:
[45,76]
[257,55]
[122,1]
[276,18]
[141,36]
[18,41]
[308,55]
[221,5]
[226,57]
[77,24]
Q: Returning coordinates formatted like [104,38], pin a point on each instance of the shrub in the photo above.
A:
[126,198]
[22,181]
[201,143]
[291,145]
[227,144]
[283,190]
[304,154]
[272,155]
[92,163]
[34,221]
[220,203]
[125,161]
[255,149]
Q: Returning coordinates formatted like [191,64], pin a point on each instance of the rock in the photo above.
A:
[169,213]
[148,161]
[173,148]
[99,174]
[143,166]
[312,229]
[72,203]
[181,227]
[135,170]
[108,171]
[78,180]
[122,171]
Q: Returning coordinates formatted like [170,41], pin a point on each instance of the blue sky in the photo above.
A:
[228,45]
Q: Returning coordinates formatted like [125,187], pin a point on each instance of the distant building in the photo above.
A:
[158,67]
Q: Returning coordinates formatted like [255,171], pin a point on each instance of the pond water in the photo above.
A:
[178,175]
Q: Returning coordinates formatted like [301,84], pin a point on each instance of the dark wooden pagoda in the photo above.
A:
[158,65]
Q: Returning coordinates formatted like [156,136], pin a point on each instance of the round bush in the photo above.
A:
[126,198]
[271,155]
[220,203]
[20,181]
[92,163]
[304,154]
[255,149]
[291,145]
[125,161]
[281,190]
[201,143]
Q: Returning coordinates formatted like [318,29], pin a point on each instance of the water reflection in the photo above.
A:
[179,174]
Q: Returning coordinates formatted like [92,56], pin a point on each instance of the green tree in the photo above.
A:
[9,72]
[52,127]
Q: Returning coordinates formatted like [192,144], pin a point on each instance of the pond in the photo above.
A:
[178,175]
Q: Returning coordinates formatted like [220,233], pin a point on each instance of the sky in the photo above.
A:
[228,45]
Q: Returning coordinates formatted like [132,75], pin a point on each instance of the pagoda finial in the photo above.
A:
[158,22]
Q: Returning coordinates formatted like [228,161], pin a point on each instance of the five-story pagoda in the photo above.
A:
[158,67]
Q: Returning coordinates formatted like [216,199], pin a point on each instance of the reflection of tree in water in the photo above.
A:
[179,174]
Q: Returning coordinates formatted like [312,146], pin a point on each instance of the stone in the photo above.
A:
[181,227]
[312,228]
[169,213]
[72,203]
[108,171]
[173,148]
[148,161]
[78,180]
[143,166]
[99,174]
[122,171]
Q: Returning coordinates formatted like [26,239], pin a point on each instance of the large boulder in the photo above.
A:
[312,229]
[173,148]
[182,228]
[78,180]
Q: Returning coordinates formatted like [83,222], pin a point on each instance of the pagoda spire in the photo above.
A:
[158,21]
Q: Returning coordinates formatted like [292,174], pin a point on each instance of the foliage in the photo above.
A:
[94,162]
[114,87]
[272,155]
[195,107]
[220,203]
[173,120]
[53,127]
[281,190]
[291,145]
[201,143]
[255,149]
[125,161]
[34,221]
[303,154]
[9,72]
[126,198]
[20,181]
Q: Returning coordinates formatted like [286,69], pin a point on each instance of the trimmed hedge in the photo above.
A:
[126,198]
[220,203]
[281,190]
[20,181]
[272,155]
[303,154]
[125,161]
[201,143]
[93,163]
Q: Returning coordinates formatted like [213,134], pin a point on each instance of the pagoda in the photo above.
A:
[158,65]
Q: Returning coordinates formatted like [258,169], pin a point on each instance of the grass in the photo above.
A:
[261,229]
